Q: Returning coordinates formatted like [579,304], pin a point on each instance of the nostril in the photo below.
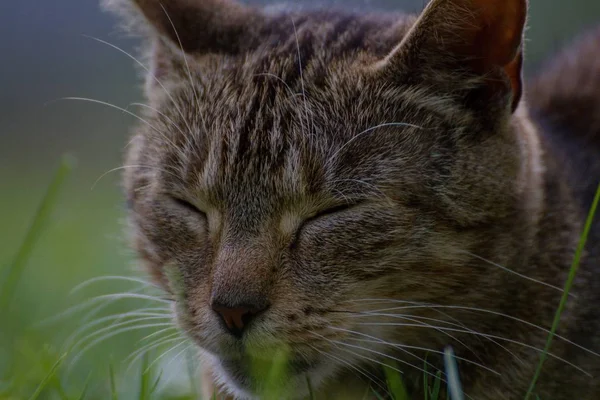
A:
[236,318]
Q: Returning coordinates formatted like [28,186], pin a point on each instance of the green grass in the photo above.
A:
[15,269]
[563,301]
[33,364]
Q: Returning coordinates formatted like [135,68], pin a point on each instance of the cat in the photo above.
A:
[364,189]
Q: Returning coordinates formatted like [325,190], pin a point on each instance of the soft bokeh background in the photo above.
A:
[43,57]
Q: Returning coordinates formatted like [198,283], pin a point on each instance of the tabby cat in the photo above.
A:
[365,189]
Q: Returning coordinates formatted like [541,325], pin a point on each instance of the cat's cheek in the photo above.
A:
[148,257]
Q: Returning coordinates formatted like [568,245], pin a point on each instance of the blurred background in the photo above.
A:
[44,56]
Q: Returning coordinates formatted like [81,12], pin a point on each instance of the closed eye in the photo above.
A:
[322,214]
[186,205]
[329,211]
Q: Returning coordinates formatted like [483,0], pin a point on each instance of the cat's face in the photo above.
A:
[298,171]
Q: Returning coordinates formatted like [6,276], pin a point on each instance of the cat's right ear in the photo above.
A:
[188,27]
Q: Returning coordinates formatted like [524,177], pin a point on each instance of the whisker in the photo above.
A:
[149,73]
[303,89]
[442,321]
[135,356]
[185,60]
[91,281]
[104,103]
[169,351]
[484,335]
[156,342]
[92,313]
[371,129]
[370,377]
[80,353]
[114,325]
[383,355]
[132,166]
[98,299]
[161,114]
[439,329]
[393,368]
[514,272]
[381,341]
[173,328]
[475,309]
[116,318]
[374,339]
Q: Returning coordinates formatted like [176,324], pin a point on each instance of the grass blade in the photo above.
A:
[113,384]
[425,378]
[563,301]
[85,387]
[15,269]
[394,382]
[48,378]
[156,382]
[144,379]
[437,385]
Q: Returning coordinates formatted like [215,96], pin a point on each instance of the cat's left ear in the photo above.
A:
[193,26]
[176,29]
[466,39]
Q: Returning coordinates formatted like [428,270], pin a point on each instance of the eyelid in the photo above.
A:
[331,210]
[187,205]
[326,212]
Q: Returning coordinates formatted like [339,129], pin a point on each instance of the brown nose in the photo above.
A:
[236,318]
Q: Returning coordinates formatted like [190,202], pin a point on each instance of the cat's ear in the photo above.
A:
[193,26]
[466,39]
[176,31]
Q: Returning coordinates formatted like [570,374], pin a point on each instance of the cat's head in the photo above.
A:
[298,168]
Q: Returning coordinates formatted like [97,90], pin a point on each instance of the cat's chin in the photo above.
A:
[235,376]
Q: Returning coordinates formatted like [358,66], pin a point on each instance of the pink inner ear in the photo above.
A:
[501,25]
[500,39]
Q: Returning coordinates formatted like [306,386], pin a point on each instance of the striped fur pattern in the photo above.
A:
[370,180]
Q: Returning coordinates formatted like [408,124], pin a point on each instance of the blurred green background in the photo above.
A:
[43,57]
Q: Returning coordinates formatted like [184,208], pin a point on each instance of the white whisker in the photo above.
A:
[475,309]
[109,335]
[374,339]
[371,129]
[381,341]
[132,166]
[116,318]
[162,115]
[98,299]
[157,359]
[306,110]
[136,355]
[484,335]
[361,371]
[514,272]
[149,73]
[375,313]
[173,328]
[185,60]
[108,278]
[104,103]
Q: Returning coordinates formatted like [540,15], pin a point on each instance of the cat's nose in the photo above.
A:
[237,318]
